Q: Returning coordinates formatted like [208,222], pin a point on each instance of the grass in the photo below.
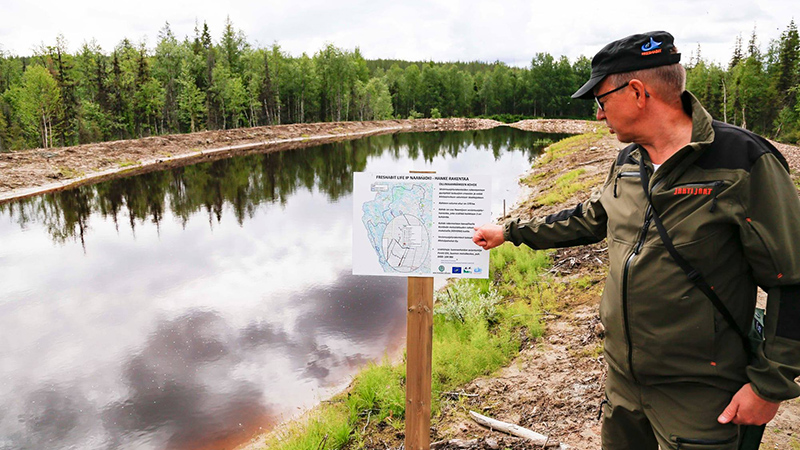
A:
[565,186]
[127,163]
[568,184]
[592,353]
[67,172]
[479,327]
[533,178]
[327,428]
[570,145]
[585,282]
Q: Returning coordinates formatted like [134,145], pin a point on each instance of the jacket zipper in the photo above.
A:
[623,175]
[642,236]
[714,188]
[648,217]
[681,440]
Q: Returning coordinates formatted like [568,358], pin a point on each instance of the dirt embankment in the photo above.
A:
[37,171]
[568,126]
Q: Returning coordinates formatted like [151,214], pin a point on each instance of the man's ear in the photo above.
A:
[641,93]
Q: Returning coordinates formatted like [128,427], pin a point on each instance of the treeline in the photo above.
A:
[55,98]
[757,90]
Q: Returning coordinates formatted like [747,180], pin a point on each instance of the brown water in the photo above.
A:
[192,308]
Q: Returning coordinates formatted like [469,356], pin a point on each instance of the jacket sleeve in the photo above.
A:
[581,225]
[770,233]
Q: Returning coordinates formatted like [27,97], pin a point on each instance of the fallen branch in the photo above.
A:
[516,430]
[369,416]
[456,395]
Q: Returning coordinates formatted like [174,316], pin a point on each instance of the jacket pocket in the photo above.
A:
[629,174]
[705,444]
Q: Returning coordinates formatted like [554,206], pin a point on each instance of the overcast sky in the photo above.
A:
[512,31]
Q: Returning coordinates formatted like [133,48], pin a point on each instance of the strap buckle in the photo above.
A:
[694,276]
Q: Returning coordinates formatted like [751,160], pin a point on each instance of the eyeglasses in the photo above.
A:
[598,97]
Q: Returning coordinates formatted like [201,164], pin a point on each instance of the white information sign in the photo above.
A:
[419,224]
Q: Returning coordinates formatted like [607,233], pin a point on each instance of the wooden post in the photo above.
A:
[419,343]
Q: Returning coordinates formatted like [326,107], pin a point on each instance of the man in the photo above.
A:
[678,372]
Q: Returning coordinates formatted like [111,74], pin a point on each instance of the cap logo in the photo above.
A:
[651,47]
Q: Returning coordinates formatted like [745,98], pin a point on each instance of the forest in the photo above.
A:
[55,98]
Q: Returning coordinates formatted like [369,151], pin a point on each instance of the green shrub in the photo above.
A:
[466,300]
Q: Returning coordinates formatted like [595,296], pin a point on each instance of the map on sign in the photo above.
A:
[419,224]
[399,221]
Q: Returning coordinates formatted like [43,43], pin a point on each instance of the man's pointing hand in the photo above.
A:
[488,236]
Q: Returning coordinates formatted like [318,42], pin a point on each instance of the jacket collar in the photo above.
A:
[702,131]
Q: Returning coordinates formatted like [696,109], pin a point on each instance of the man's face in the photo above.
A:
[616,111]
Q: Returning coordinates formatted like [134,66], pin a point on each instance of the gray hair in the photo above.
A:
[668,81]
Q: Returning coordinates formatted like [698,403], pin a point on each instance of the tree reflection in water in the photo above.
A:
[249,181]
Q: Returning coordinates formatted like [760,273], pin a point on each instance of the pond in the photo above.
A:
[194,307]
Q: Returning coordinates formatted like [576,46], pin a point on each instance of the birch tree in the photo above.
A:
[38,101]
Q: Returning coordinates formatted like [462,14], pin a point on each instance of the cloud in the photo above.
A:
[443,30]
[198,378]
[181,381]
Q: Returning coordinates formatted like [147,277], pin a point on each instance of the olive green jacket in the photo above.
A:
[733,213]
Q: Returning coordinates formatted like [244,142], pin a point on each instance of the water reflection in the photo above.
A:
[244,183]
[191,308]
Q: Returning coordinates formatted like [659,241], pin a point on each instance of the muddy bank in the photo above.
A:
[36,171]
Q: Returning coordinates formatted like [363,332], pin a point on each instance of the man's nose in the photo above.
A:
[600,114]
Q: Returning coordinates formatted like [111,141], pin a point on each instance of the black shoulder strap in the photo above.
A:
[693,274]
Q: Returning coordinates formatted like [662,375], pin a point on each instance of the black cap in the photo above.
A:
[636,52]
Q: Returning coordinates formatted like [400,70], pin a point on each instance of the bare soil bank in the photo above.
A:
[36,171]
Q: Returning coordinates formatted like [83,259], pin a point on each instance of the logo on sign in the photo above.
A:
[478,270]
[456,269]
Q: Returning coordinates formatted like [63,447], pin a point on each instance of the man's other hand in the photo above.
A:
[747,408]
[488,236]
